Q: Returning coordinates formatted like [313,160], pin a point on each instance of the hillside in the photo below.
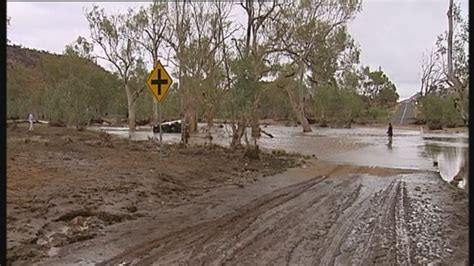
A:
[24,56]
[30,57]
[62,88]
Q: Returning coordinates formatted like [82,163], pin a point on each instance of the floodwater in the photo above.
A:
[408,149]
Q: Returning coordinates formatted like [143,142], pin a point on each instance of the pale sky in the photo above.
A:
[392,34]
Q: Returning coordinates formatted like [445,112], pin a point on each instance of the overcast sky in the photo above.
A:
[392,34]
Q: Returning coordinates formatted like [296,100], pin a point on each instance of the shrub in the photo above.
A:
[439,111]
[376,113]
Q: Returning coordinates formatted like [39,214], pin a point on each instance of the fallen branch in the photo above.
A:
[266,133]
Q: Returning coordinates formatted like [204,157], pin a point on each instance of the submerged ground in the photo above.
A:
[90,198]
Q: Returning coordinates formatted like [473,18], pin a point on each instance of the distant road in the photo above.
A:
[405,113]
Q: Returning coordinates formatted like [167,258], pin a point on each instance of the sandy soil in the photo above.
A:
[83,198]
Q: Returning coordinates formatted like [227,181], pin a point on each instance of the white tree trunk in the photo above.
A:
[298,110]
[131,100]
[450,38]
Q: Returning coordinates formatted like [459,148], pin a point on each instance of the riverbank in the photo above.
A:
[66,186]
[82,197]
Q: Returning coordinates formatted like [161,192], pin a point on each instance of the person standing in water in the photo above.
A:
[390,134]
[390,130]
[31,120]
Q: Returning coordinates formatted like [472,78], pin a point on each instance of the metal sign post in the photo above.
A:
[159,83]
[161,138]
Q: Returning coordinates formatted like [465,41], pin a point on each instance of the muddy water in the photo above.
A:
[408,149]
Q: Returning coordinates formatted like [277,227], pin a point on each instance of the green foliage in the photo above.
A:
[77,90]
[388,96]
[22,91]
[245,88]
[377,114]
[337,107]
[378,88]
[314,37]
[81,48]
[68,88]
[440,112]
[171,107]
[274,103]
[450,77]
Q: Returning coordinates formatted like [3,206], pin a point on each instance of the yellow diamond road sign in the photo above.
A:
[159,82]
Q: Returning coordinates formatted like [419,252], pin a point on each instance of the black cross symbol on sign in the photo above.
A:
[159,81]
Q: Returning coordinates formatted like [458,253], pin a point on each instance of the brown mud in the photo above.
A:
[87,198]
[66,186]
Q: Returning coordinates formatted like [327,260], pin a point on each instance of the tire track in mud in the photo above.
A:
[192,234]
[378,246]
[342,219]
[379,235]
[287,227]
[230,238]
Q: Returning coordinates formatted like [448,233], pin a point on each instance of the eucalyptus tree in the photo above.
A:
[457,66]
[151,24]
[199,35]
[312,36]
[251,65]
[208,57]
[199,58]
[432,75]
[377,88]
[81,47]
[177,38]
[445,71]
[114,35]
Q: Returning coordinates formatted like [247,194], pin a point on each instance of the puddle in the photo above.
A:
[408,149]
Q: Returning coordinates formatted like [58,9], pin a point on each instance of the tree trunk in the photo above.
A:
[189,106]
[238,132]
[210,117]
[298,110]
[183,108]
[192,118]
[458,85]
[131,109]
[255,120]
[450,38]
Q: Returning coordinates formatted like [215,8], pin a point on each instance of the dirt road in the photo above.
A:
[346,216]
[315,214]
[349,219]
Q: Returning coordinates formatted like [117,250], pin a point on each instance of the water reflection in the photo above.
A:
[446,139]
[451,160]
[389,142]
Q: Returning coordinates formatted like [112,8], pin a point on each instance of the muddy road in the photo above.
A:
[347,216]
[342,219]
[86,199]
